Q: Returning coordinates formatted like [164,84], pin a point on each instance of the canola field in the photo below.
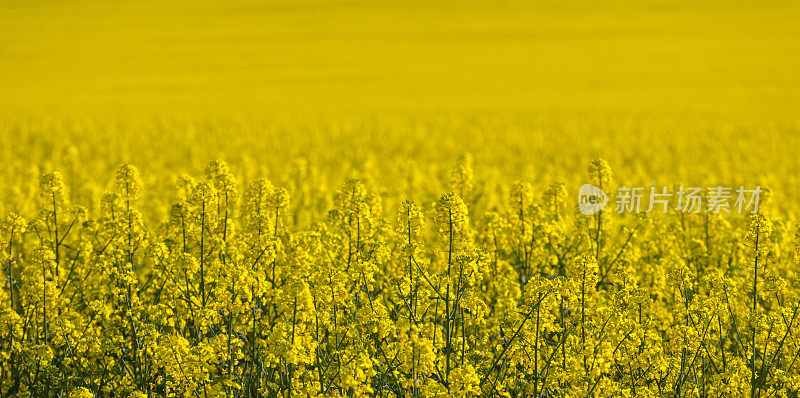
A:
[389,199]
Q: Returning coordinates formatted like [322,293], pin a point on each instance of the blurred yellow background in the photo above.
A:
[264,56]
[394,92]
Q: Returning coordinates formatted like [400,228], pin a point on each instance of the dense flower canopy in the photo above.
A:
[230,297]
